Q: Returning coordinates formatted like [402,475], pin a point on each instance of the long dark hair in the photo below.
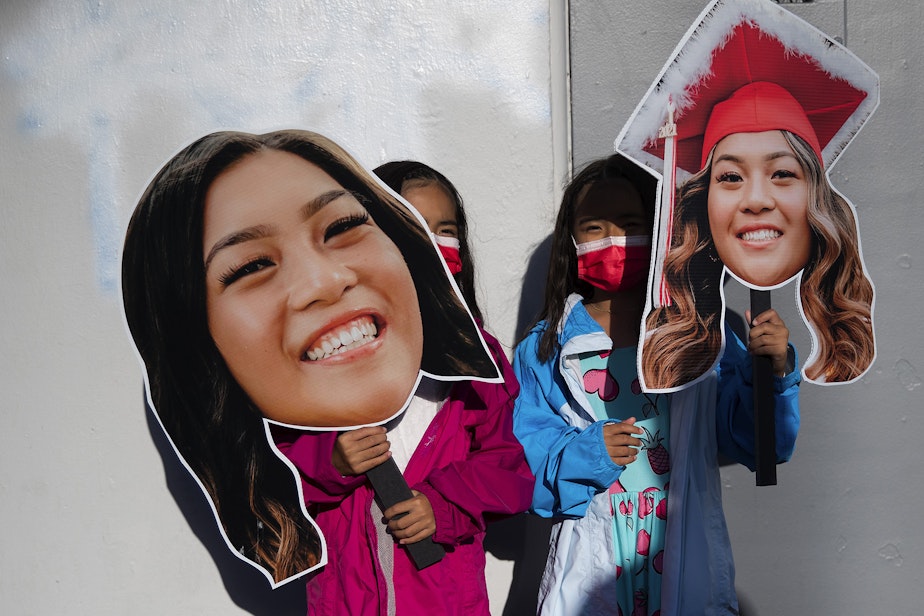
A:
[562,278]
[211,421]
[400,174]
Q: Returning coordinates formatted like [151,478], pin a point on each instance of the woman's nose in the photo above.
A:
[757,197]
[317,276]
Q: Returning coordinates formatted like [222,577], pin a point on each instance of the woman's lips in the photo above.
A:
[343,338]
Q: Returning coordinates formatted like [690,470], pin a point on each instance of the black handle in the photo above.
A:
[764,416]
[391,489]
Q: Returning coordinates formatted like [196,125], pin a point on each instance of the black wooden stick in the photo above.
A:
[764,411]
[391,489]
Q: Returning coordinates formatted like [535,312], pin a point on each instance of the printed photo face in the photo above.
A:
[309,302]
[757,205]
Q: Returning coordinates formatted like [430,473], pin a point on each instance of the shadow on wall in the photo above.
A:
[533,291]
[246,586]
[524,539]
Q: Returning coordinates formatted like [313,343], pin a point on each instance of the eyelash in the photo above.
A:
[237,272]
[344,224]
[728,176]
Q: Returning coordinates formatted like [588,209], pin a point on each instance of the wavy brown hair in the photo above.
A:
[210,420]
[693,273]
[835,293]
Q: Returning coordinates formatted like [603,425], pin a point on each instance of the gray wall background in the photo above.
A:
[841,533]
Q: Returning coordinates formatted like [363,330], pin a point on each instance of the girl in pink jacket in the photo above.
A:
[470,469]
[455,446]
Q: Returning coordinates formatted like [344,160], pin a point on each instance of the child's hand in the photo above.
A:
[418,522]
[620,442]
[357,451]
[769,337]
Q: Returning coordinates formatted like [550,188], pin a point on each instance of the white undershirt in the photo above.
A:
[406,430]
[404,434]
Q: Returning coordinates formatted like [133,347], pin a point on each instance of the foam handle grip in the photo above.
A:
[390,489]
[764,405]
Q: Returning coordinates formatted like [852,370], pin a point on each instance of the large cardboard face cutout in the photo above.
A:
[271,284]
[744,122]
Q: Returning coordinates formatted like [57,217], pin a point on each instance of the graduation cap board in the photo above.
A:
[744,123]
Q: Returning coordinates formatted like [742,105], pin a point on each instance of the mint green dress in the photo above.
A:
[638,499]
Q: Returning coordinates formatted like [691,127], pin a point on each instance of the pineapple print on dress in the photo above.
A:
[658,457]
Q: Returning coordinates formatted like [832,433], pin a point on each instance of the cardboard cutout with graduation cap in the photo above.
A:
[273,285]
[746,118]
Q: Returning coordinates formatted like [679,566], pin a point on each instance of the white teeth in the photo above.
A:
[352,335]
[762,235]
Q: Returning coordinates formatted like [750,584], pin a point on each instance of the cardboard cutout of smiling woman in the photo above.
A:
[270,283]
[747,118]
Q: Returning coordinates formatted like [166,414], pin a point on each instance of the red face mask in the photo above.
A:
[615,263]
[449,248]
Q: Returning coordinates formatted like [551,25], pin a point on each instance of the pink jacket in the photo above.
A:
[470,467]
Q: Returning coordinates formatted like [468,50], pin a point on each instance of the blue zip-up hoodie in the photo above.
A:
[564,446]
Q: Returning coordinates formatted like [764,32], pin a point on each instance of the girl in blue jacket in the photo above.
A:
[631,477]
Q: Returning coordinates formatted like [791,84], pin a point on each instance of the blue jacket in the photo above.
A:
[564,447]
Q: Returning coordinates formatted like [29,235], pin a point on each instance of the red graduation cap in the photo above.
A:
[746,66]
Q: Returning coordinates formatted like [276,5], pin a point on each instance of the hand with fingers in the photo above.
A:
[357,451]
[412,520]
[769,337]
[620,444]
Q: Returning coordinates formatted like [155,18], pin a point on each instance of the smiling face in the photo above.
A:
[435,205]
[757,204]
[309,303]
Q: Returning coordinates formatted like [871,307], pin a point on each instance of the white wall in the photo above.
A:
[841,532]
[94,97]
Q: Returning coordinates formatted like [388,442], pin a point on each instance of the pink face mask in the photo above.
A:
[449,248]
[615,263]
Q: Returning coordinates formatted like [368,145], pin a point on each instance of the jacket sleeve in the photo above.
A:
[310,452]
[735,407]
[571,465]
[493,479]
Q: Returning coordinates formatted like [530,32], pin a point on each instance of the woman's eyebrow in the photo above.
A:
[317,204]
[780,154]
[238,237]
[768,157]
